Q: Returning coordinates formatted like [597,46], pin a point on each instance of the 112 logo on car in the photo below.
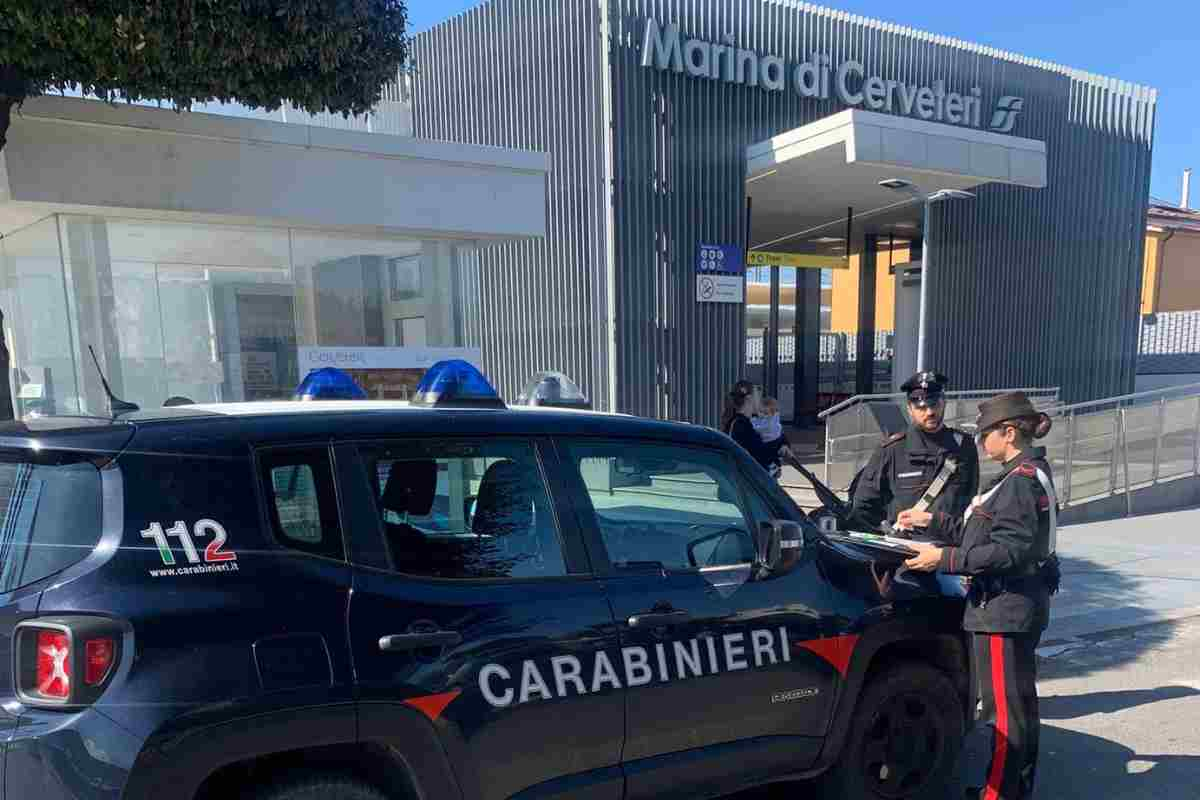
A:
[214,553]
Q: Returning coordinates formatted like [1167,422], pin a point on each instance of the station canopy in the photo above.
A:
[802,183]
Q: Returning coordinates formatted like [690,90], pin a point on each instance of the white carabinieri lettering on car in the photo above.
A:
[570,676]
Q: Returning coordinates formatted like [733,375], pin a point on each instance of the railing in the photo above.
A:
[1098,449]
[852,431]
[1117,445]
[836,356]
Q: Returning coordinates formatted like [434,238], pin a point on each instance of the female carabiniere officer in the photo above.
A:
[1005,543]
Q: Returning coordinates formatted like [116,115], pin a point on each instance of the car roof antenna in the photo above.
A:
[116,405]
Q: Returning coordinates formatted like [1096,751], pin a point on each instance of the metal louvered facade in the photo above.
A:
[527,75]
[647,164]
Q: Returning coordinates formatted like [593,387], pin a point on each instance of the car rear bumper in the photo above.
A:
[68,756]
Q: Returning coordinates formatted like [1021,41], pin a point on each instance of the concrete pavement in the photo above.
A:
[1127,572]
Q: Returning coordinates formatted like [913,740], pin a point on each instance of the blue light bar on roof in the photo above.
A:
[329,383]
[456,383]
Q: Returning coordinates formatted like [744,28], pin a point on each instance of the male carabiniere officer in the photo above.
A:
[929,466]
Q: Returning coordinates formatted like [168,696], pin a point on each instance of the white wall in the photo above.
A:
[72,153]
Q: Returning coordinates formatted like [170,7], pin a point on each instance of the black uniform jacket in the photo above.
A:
[901,470]
[741,430]
[1000,547]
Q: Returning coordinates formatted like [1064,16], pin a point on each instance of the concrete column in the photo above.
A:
[864,382]
[93,307]
[808,342]
[437,268]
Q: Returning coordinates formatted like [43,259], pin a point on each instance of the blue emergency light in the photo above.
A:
[456,383]
[329,383]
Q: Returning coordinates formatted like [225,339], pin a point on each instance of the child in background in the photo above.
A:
[769,427]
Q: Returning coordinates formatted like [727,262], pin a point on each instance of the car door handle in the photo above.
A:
[659,619]
[401,642]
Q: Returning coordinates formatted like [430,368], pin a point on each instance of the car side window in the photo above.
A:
[301,500]
[658,504]
[465,509]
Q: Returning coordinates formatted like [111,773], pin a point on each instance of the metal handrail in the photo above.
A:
[1120,480]
[1154,424]
[1185,389]
[863,398]
[857,404]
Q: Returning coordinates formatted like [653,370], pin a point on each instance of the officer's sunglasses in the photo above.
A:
[981,436]
[934,401]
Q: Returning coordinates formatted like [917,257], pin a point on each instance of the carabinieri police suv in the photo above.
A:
[448,598]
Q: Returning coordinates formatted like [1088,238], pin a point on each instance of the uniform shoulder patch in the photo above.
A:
[895,437]
[1027,470]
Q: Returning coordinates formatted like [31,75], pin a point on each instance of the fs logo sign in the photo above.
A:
[1004,118]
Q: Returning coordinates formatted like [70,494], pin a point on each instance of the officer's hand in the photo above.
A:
[911,518]
[927,559]
[786,452]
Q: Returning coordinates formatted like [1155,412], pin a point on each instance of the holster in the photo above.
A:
[1050,571]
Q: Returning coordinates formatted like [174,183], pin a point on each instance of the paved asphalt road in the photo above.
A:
[1120,720]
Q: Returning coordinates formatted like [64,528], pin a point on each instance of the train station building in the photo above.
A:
[655,199]
[715,207]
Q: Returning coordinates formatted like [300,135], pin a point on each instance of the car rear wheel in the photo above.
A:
[905,739]
[319,786]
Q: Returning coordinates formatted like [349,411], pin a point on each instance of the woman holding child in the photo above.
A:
[763,439]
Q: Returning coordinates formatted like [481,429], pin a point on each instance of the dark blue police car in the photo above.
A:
[446,599]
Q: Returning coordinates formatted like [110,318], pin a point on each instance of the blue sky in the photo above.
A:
[1151,43]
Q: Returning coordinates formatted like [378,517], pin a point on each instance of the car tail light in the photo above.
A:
[53,665]
[67,661]
[99,654]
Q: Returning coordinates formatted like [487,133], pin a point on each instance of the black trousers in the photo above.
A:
[1005,668]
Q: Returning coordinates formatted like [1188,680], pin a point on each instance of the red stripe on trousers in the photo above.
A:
[996,779]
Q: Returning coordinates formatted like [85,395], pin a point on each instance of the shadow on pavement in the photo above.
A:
[1066,706]
[1072,766]
[1078,765]
[1096,597]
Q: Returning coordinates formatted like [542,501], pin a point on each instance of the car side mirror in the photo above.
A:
[779,545]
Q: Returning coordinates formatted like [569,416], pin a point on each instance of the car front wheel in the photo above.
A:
[905,739]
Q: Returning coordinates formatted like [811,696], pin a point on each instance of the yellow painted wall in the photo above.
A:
[885,285]
[844,313]
[1171,276]
[843,316]
[1150,273]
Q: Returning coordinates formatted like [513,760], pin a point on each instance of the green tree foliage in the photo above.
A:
[319,55]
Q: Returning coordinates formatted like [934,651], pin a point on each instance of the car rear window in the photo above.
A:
[50,517]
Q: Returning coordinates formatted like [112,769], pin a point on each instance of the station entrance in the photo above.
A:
[838,213]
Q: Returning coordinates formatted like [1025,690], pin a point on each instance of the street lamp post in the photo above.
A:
[927,201]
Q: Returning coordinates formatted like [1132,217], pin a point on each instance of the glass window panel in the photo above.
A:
[466,510]
[202,312]
[303,503]
[666,505]
[36,323]
[212,313]
[405,276]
